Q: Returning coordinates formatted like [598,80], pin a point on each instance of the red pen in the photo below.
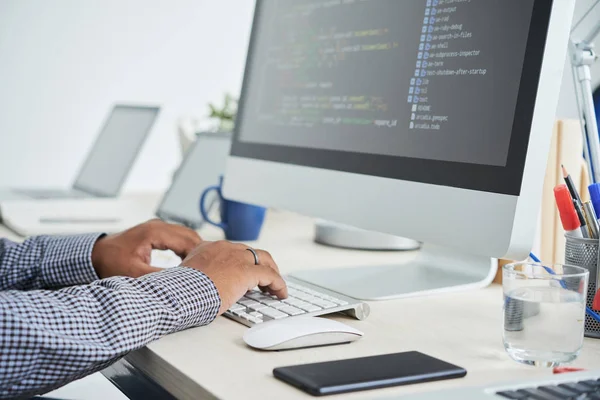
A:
[567,212]
[562,370]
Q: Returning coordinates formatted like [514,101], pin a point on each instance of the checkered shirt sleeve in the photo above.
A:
[47,262]
[51,337]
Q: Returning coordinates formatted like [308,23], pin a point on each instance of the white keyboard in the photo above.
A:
[567,386]
[304,299]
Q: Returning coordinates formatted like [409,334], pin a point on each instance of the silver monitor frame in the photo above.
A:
[461,239]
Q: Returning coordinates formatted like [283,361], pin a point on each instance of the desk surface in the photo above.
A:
[461,328]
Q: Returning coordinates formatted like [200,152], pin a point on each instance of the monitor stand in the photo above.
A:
[339,235]
[435,270]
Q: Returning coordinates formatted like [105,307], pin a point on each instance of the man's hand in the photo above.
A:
[231,268]
[128,253]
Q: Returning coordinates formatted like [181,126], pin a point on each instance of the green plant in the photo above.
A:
[225,114]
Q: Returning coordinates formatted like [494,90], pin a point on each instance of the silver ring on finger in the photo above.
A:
[256,260]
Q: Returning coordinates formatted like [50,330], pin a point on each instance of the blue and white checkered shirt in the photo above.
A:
[59,322]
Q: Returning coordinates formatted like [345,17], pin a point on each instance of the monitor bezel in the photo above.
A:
[495,179]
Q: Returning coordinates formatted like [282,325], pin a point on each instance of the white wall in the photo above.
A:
[567,107]
[63,63]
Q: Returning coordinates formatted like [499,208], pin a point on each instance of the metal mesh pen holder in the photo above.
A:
[584,253]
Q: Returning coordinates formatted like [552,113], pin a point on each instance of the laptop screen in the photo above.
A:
[115,150]
[202,166]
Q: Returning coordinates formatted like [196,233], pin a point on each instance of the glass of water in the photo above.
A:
[544,312]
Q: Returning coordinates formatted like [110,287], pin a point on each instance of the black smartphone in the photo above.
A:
[351,375]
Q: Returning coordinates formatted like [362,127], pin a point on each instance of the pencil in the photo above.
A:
[570,185]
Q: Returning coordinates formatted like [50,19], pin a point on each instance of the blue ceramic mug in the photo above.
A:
[239,221]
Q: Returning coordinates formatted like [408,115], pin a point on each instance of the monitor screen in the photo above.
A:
[434,91]
[115,150]
[201,168]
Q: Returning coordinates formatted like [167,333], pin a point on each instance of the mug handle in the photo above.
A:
[203,210]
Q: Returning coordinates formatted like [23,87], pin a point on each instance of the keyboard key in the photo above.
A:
[324,303]
[256,320]
[239,313]
[591,383]
[248,302]
[576,387]
[275,314]
[277,305]
[536,394]
[308,307]
[261,299]
[298,302]
[254,295]
[291,310]
[258,307]
[305,296]
[245,316]
[336,300]
[256,314]
[236,307]
[293,301]
[270,302]
[509,394]
[557,391]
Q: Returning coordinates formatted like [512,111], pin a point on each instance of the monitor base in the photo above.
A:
[436,270]
[339,235]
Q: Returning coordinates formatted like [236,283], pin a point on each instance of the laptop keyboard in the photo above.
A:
[587,389]
[50,193]
[257,307]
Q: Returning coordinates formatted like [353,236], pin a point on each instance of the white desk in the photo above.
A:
[24,215]
[461,328]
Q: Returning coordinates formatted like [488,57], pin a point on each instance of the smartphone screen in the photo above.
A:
[364,373]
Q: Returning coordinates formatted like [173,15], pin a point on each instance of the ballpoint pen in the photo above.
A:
[594,190]
[569,181]
[591,219]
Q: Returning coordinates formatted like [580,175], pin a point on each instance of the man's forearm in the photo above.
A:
[46,262]
[48,338]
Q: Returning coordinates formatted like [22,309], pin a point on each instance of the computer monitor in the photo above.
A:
[427,119]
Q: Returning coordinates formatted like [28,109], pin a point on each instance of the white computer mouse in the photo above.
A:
[298,332]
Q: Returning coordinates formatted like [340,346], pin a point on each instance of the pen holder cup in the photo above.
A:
[584,253]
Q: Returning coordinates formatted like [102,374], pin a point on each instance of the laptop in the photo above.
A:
[110,160]
[201,167]
[572,385]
